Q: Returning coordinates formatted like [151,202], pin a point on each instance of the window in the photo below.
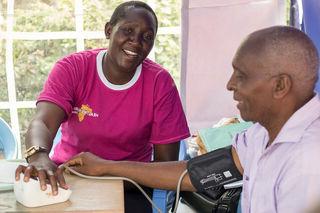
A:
[35,33]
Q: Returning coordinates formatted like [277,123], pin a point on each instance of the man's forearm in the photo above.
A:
[163,175]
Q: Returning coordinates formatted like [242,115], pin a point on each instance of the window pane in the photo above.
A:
[44,15]
[168,55]
[3,15]
[33,61]
[25,116]
[96,13]
[3,79]
[95,43]
[5,115]
[168,13]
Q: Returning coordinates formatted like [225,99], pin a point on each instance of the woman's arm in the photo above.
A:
[41,132]
[44,126]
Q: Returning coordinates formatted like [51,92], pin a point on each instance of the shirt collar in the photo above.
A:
[295,127]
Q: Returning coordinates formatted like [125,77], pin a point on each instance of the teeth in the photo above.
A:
[130,52]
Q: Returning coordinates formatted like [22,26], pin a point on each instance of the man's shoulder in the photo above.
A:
[306,151]
[310,138]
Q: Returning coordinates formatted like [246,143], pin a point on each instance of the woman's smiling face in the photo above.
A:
[131,39]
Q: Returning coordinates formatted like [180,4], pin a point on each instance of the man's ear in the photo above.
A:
[107,30]
[282,85]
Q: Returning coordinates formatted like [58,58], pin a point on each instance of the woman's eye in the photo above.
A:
[127,30]
[148,37]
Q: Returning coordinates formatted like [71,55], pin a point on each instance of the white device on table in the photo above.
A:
[29,193]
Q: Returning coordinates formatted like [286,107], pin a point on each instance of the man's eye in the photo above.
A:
[239,77]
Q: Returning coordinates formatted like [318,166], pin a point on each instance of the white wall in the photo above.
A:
[211,32]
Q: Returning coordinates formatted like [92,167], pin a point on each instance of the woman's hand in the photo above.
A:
[44,170]
[87,163]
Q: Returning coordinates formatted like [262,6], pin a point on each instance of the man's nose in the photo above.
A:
[231,84]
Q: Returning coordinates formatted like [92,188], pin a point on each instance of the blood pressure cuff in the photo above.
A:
[209,172]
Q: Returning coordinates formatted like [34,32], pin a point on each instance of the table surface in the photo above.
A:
[87,196]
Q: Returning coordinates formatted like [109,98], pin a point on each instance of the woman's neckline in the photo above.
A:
[106,82]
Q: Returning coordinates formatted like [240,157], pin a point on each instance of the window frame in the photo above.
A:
[9,36]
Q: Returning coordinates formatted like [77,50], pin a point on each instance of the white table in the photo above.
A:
[87,196]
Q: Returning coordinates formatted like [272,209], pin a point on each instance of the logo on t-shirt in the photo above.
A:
[85,110]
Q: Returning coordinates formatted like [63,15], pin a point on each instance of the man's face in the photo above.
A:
[251,86]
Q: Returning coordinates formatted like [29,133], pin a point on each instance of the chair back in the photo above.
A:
[8,142]
[56,140]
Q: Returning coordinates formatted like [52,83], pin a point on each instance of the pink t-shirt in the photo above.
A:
[117,122]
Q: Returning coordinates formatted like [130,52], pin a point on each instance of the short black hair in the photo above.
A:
[293,53]
[121,11]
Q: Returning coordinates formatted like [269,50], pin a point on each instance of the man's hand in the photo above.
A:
[87,163]
[45,170]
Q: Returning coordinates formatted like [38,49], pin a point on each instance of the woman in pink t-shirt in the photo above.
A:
[114,103]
